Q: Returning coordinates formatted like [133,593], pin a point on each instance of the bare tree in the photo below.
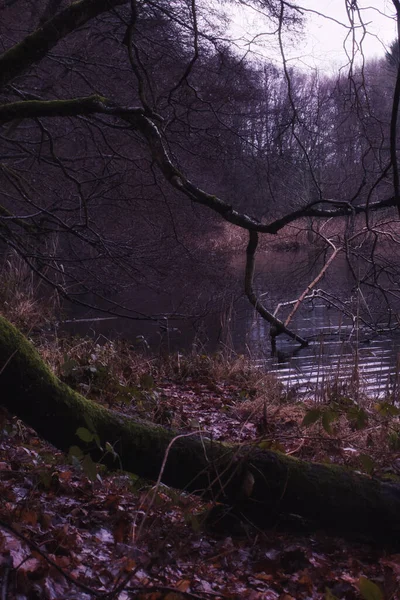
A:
[114,111]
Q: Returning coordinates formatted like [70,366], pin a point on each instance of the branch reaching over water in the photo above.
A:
[137,119]
[146,126]
[313,283]
[277,324]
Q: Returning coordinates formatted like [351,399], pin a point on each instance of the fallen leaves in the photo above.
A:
[71,537]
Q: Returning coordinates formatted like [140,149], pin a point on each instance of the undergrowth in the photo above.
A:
[115,527]
[24,298]
[339,423]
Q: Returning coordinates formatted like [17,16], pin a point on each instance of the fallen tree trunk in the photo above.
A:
[261,485]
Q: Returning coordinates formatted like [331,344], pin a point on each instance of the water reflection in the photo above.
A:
[342,349]
[337,354]
[337,346]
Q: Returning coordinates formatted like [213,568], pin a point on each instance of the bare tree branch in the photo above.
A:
[277,324]
[34,47]
[149,130]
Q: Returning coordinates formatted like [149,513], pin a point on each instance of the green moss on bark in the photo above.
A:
[32,392]
[332,497]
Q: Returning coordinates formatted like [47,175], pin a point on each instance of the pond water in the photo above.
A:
[339,352]
[342,351]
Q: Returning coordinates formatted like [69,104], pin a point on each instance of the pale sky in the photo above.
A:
[322,45]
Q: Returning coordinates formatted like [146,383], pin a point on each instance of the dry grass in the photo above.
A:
[298,236]
[23,298]
[350,427]
[222,365]
[107,371]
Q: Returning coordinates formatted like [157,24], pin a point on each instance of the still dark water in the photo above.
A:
[339,352]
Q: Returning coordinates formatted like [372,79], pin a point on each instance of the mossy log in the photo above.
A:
[261,485]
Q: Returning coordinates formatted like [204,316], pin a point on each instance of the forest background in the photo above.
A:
[140,154]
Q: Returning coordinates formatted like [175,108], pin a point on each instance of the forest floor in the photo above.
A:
[69,530]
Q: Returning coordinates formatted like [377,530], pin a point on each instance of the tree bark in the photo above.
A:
[34,47]
[260,485]
[277,326]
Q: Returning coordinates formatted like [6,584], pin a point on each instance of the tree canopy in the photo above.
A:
[118,118]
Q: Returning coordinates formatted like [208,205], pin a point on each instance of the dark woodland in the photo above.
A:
[142,150]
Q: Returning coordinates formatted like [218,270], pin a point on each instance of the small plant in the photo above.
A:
[356,416]
[83,459]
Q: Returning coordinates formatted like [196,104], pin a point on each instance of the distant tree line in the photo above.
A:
[111,111]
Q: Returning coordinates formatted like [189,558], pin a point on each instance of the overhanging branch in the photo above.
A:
[278,325]
[88,105]
[35,46]
[145,125]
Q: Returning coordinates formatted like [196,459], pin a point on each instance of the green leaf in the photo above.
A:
[89,423]
[277,447]
[387,410]
[84,434]
[369,590]
[147,382]
[362,419]
[358,417]
[135,392]
[136,482]
[75,452]
[328,416]
[367,463]
[329,595]
[344,401]
[110,450]
[311,417]
[89,467]
[97,441]
[265,445]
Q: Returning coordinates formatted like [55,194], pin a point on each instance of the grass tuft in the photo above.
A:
[23,297]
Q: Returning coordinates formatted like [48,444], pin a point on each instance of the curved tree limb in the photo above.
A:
[146,126]
[137,119]
[259,485]
[278,325]
[35,46]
